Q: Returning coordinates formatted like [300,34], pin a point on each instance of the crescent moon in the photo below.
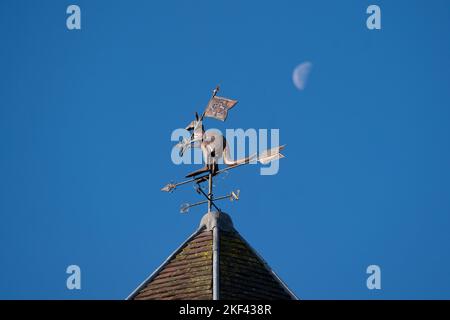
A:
[300,75]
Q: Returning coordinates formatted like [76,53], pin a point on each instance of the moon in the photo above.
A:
[300,75]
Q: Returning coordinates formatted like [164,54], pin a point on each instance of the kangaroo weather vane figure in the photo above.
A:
[214,147]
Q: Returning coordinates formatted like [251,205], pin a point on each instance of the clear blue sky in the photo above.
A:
[86,118]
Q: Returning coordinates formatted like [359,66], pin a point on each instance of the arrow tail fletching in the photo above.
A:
[271,155]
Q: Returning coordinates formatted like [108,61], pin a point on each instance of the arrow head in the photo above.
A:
[184,208]
[169,187]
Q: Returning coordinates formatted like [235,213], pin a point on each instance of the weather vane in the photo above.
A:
[214,147]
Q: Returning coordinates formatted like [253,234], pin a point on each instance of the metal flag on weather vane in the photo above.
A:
[218,107]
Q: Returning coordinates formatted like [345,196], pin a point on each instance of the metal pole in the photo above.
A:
[210,186]
[216,264]
[210,200]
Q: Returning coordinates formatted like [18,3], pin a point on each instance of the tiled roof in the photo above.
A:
[214,263]
[243,274]
[188,275]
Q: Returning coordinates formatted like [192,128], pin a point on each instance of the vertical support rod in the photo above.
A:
[210,190]
[216,265]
